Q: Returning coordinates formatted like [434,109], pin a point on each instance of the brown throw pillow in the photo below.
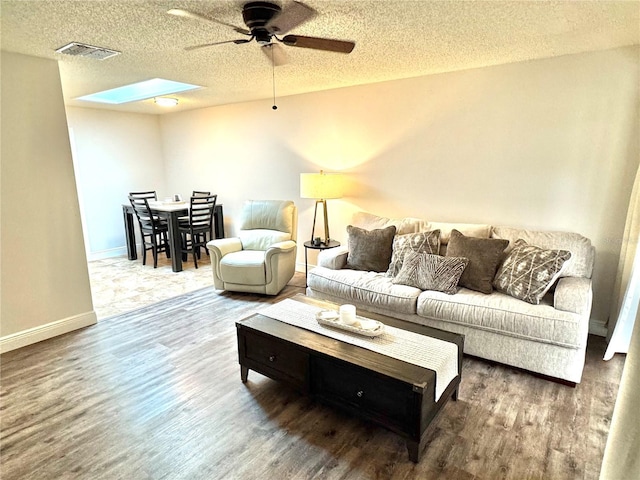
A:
[370,250]
[484,255]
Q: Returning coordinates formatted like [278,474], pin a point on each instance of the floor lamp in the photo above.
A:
[321,186]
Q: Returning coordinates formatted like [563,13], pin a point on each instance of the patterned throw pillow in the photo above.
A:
[431,272]
[528,272]
[422,242]
[370,250]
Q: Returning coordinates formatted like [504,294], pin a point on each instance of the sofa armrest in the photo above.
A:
[222,246]
[218,249]
[280,260]
[280,247]
[333,258]
[573,294]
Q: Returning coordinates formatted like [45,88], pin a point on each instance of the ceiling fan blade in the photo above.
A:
[204,45]
[178,12]
[341,46]
[293,15]
[279,55]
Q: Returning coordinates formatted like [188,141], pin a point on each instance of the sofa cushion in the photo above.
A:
[354,286]
[484,254]
[582,252]
[268,214]
[421,242]
[370,250]
[528,271]
[431,272]
[503,314]
[368,221]
[261,239]
[245,267]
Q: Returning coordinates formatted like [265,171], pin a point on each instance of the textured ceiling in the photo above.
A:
[394,39]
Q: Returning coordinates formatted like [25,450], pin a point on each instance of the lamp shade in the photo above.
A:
[321,185]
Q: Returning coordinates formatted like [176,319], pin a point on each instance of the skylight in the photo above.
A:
[138,91]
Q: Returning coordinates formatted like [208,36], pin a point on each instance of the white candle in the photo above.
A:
[348,314]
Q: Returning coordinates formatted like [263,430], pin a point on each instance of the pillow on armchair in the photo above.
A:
[261,239]
[370,250]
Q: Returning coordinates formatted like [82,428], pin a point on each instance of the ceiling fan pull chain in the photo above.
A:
[273,78]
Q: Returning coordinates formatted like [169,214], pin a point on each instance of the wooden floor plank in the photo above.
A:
[156,394]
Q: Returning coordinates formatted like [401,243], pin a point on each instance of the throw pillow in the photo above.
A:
[370,250]
[484,255]
[431,272]
[422,242]
[528,272]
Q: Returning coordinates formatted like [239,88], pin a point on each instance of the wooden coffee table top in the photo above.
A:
[420,377]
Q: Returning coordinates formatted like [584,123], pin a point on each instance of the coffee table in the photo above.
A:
[392,393]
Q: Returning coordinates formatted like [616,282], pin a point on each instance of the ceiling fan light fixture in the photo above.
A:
[265,20]
[166,101]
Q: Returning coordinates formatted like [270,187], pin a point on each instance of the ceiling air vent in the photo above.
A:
[81,50]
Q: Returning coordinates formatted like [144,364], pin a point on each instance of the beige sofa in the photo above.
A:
[549,338]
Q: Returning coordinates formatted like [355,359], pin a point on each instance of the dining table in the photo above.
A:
[171,211]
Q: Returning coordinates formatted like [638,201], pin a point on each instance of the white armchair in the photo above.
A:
[262,258]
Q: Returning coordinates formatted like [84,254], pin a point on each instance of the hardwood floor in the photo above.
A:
[156,394]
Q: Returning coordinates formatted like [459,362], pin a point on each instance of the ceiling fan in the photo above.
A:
[265,22]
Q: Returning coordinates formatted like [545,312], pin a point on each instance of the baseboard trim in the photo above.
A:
[46,331]
[112,252]
[597,327]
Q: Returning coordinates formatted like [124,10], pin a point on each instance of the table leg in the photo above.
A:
[130,234]
[218,222]
[306,268]
[174,242]
[413,448]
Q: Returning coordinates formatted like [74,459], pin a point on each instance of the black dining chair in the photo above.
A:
[149,195]
[153,230]
[194,232]
[196,193]
[200,193]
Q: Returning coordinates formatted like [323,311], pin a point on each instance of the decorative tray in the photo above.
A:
[331,318]
[181,202]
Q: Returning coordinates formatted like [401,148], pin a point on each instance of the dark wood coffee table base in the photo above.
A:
[391,393]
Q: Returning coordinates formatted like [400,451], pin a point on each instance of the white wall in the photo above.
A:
[549,144]
[44,277]
[115,153]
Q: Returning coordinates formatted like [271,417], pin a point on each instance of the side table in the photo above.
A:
[323,246]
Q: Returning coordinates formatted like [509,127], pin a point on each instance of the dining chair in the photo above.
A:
[194,232]
[149,195]
[153,230]
[201,193]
